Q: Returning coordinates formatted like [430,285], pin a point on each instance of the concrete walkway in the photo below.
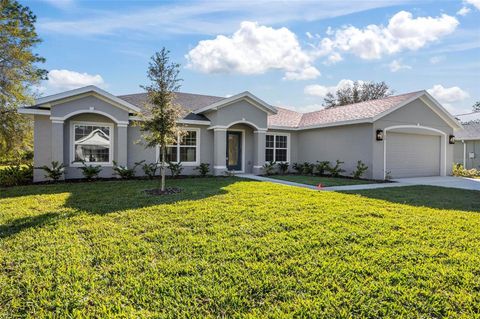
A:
[441,181]
[333,188]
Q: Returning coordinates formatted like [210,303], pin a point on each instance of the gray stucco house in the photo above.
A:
[399,136]
[467,147]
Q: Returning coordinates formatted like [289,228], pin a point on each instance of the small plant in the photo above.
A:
[308,168]
[123,171]
[336,170]
[203,169]
[388,175]
[16,175]
[321,167]
[298,167]
[360,170]
[150,169]
[175,169]
[90,171]
[269,168]
[459,170]
[283,167]
[55,172]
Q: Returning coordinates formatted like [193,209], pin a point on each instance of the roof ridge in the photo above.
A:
[215,96]
[380,99]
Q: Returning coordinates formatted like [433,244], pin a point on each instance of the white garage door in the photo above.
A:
[410,155]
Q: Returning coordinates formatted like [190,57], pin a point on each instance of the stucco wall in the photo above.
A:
[415,113]
[349,143]
[42,145]
[470,147]
[239,111]
[88,103]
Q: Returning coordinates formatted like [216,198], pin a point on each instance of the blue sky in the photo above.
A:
[287,53]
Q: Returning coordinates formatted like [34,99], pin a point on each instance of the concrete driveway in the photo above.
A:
[442,181]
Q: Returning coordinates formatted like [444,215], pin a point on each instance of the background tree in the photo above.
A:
[159,119]
[476,107]
[358,92]
[18,73]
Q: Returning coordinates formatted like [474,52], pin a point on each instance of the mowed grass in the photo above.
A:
[227,247]
[324,180]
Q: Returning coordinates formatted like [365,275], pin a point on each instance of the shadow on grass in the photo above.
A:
[426,196]
[108,197]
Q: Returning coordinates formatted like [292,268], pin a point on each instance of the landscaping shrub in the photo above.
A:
[90,171]
[203,169]
[269,168]
[336,170]
[459,170]
[320,167]
[308,168]
[123,171]
[175,169]
[55,172]
[360,169]
[283,167]
[298,167]
[150,169]
[16,175]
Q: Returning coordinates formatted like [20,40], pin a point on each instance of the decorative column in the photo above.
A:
[57,143]
[258,151]
[219,151]
[122,144]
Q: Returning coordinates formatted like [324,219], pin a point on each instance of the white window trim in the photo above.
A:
[275,134]
[72,142]
[197,146]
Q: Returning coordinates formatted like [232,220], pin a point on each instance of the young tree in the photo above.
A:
[159,120]
[358,92]
[476,107]
[18,72]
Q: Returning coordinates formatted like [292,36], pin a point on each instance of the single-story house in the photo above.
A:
[400,136]
[467,146]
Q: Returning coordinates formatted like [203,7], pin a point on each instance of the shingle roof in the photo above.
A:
[471,131]
[468,117]
[188,101]
[357,111]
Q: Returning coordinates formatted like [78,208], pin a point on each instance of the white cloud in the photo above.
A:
[463,11]
[396,65]
[202,16]
[322,90]
[62,80]
[447,96]
[403,32]
[437,59]
[475,3]
[253,49]
[333,58]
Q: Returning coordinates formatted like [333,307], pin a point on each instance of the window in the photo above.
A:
[276,147]
[92,142]
[187,150]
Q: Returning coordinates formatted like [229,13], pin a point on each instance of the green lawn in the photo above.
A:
[227,247]
[315,180]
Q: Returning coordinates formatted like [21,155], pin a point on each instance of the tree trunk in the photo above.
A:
[163,149]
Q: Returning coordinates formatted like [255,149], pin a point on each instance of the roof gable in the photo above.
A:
[47,101]
[249,97]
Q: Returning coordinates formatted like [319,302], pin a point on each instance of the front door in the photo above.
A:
[234,151]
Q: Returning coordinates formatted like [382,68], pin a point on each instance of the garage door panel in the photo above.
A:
[410,155]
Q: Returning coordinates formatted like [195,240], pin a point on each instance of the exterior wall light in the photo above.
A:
[379,135]
[451,139]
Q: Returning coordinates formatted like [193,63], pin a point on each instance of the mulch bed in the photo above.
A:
[167,191]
